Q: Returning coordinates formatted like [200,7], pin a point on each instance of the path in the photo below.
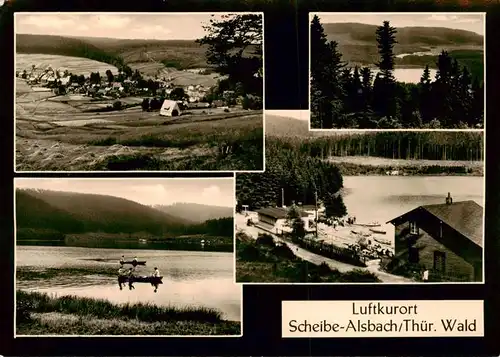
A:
[314,258]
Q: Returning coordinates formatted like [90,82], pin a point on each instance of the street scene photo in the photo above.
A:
[125,257]
[139,91]
[361,206]
[397,71]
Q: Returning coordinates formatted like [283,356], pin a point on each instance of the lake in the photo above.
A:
[382,198]
[190,278]
[409,75]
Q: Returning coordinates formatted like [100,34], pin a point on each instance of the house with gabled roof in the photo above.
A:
[274,219]
[445,239]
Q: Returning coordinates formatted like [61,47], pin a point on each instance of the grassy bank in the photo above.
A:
[350,169]
[38,313]
[139,141]
[265,261]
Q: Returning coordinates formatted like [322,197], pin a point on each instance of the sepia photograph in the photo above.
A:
[139,92]
[397,70]
[125,257]
[361,206]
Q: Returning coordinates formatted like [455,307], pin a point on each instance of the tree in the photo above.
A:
[95,78]
[145,105]
[334,206]
[110,76]
[385,103]
[234,48]
[178,94]
[327,91]
[425,103]
[294,220]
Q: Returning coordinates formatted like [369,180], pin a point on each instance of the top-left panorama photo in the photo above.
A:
[139,92]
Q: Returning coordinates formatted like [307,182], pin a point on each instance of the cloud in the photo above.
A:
[436,17]
[47,21]
[112,21]
[455,18]
[297,114]
[151,31]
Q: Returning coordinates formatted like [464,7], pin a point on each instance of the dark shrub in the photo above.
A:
[117,105]
[266,239]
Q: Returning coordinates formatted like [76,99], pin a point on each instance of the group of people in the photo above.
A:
[124,275]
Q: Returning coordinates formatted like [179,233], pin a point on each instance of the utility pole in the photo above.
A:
[316,208]
[282,197]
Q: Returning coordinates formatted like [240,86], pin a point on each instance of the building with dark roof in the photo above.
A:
[446,239]
[274,219]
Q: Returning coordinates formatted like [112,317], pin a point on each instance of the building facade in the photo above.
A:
[445,239]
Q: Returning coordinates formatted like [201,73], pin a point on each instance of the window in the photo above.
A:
[440,229]
[413,228]
[440,261]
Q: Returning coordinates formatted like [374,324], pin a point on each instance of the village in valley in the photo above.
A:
[139,103]
[349,207]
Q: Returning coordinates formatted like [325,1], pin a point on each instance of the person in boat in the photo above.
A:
[122,260]
[134,261]
[156,274]
[131,278]
[121,274]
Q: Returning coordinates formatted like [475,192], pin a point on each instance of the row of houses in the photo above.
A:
[445,239]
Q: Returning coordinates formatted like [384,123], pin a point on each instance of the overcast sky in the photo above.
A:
[297,114]
[463,21]
[128,26]
[165,191]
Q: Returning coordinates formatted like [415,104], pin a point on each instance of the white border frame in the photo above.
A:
[233,177]
[152,13]
[311,15]
[483,133]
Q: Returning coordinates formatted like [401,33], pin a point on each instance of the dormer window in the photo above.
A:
[413,228]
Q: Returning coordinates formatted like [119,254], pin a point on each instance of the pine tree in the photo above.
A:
[425,103]
[326,87]
[386,39]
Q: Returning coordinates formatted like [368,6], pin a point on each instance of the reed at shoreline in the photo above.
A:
[40,313]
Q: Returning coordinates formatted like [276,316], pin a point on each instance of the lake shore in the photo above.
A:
[41,314]
[377,166]
[118,241]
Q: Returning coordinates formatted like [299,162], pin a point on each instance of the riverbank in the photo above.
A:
[266,261]
[41,314]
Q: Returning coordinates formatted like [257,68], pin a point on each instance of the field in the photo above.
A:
[134,140]
[75,65]
[41,314]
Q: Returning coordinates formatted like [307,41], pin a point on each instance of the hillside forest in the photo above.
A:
[44,214]
[343,97]
[298,167]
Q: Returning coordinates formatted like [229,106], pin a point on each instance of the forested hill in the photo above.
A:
[69,212]
[357,42]
[184,53]
[196,212]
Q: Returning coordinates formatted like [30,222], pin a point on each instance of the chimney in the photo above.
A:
[449,200]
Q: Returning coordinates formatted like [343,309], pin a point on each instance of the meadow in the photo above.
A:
[263,261]
[42,314]
[55,135]
[75,65]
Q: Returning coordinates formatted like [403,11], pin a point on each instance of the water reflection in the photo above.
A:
[189,278]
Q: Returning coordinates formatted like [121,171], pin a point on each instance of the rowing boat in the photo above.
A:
[141,279]
[133,262]
[377,231]
[374,224]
